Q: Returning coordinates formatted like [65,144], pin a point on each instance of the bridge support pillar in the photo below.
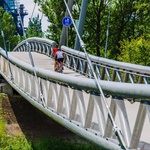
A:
[81,23]
[6,89]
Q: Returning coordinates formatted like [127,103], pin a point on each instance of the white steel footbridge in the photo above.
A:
[111,110]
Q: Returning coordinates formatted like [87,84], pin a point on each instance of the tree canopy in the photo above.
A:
[124,22]
[34,27]
[8,27]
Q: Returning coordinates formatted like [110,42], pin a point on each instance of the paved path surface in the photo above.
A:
[42,61]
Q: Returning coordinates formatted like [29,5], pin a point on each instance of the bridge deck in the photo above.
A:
[42,61]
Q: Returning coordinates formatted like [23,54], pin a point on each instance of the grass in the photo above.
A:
[2,128]
[17,142]
[14,143]
[2,121]
[60,144]
[20,143]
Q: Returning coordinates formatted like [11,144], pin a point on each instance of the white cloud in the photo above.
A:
[29,6]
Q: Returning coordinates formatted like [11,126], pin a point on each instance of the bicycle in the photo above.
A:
[59,67]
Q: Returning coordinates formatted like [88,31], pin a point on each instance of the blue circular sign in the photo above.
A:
[67,21]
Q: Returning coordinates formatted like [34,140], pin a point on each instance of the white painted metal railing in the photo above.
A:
[106,69]
[75,103]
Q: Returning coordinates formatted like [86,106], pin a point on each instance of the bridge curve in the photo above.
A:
[75,102]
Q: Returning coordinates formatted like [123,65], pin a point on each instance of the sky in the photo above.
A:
[29,6]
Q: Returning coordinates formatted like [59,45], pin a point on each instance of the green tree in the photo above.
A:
[121,20]
[129,19]
[136,51]
[142,24]
[96,26]
[34,27]
[8,27]
[135,45]
[55,11]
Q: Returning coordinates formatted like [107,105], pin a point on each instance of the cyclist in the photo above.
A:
[54,55]
[59,57]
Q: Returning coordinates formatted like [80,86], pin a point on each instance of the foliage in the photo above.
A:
[54,10]
[20,142]
[15,143]
[58,143]
[1,96]
[96,26]
[136,51]
[9,29]
[11,143]
[2,127]
[120,24]
[126,20]
[2,121]
[34,27]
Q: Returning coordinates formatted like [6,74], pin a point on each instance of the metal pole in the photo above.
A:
[32,63]
[81,23]
[64,34]
[107,32]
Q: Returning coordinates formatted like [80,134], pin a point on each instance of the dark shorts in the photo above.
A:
[60,59]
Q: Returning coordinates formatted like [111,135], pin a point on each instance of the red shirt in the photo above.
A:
[55,50]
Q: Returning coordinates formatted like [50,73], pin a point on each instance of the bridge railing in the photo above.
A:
[76,103]
[105,69]
[40,45]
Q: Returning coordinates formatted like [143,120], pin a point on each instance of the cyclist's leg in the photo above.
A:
[57,66]
[61,65]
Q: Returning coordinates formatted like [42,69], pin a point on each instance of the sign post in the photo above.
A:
[66,21]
